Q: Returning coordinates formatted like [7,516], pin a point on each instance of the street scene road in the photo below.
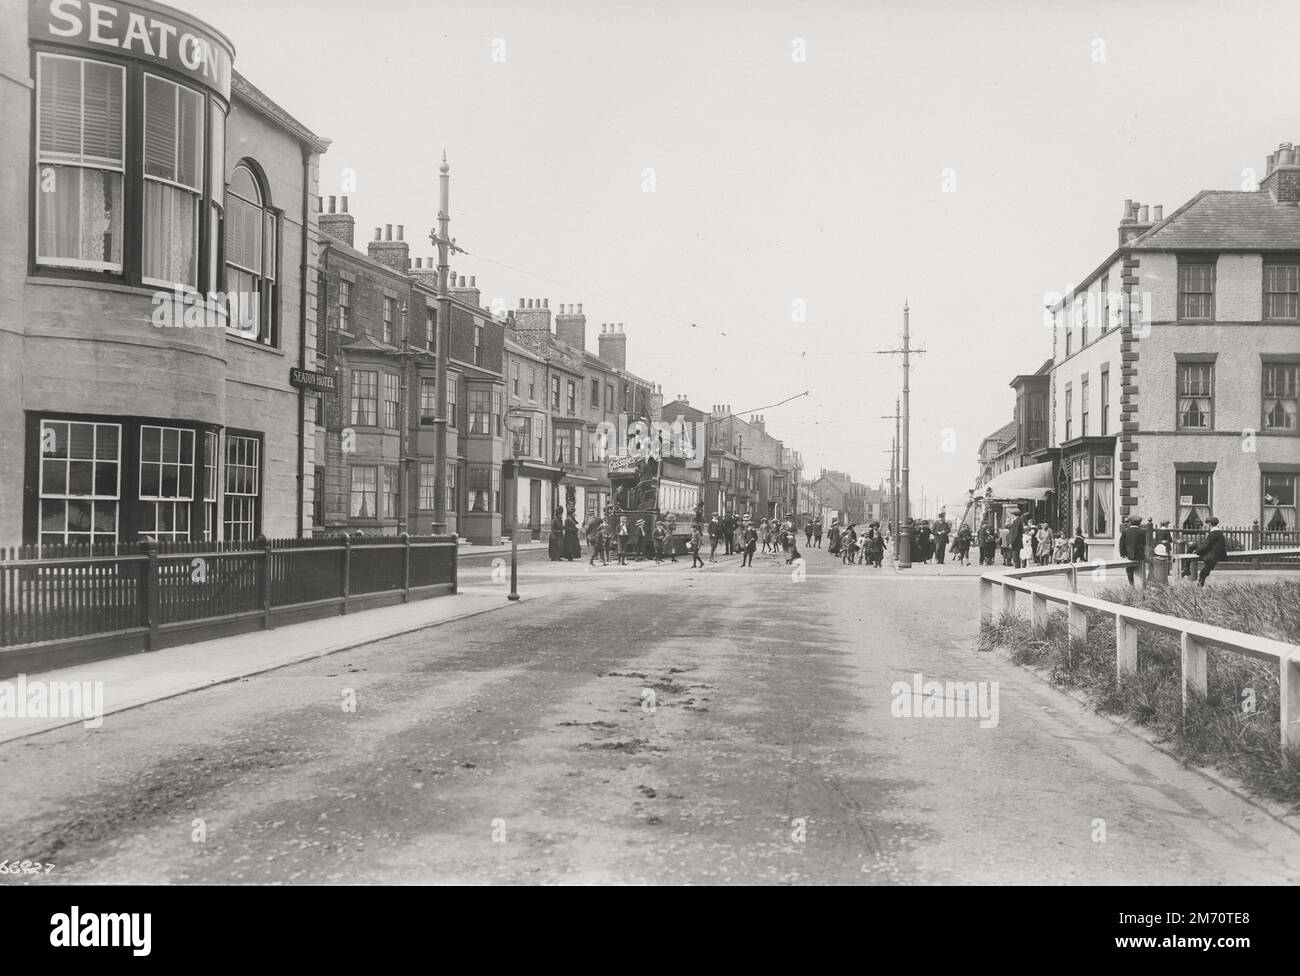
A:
[646,724]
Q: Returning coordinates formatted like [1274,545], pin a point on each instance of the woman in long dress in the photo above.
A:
[572,548]
[555,544]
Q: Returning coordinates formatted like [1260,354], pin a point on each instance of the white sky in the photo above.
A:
[778,180]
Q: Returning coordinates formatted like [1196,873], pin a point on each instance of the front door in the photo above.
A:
[535,507]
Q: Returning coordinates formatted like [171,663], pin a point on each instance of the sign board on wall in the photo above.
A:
[168,38]
[307,379]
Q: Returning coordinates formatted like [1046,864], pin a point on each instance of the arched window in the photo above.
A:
[252,236]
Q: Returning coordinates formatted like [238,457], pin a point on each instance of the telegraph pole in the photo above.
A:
[896,417]
[446,245]
[904,531]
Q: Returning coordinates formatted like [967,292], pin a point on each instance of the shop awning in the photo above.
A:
[1030,483]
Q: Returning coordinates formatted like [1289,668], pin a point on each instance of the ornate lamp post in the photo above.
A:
[516,450]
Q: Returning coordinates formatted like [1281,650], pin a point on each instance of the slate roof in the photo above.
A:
[1219,219]
[1006,432]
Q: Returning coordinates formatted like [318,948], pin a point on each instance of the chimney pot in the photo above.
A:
[579,308]
[379,233]
[1159,212]
[1143,214]
[344,202]
[1128,209]
[332,204]
[546,303]
[471,281]
[401,229]
[388,232]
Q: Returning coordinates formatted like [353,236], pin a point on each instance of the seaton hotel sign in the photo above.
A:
[145,32]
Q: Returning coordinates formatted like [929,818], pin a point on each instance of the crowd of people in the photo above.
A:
[1019,542]
[632,538]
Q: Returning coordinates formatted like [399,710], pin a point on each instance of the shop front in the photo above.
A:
[1030,489]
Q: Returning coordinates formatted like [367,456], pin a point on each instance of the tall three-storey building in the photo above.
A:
[157,283]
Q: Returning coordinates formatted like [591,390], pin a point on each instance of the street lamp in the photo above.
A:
[516,430]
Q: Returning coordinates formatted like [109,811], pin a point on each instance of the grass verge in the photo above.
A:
[1234,728]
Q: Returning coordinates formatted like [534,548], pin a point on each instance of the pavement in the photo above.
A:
[641,724]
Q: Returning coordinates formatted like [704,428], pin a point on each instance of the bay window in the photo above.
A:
[365,397]
[452,398]
[480,411]
[428,400]
[389,496]
[166,482]
[129,174]
[1092,495]
[173,182]
[364,497]
[392,400]
[80,162]
[428,485]
[80,483]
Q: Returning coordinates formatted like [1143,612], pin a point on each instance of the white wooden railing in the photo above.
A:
[1196,638]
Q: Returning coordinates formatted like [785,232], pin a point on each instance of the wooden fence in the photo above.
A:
[1196,638]
[59,605]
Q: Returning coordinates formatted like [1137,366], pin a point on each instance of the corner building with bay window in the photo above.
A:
[157,283]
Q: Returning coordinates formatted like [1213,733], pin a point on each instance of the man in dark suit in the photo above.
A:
[1133,545]
[941,528]
[728,531]
[1016,537]
[1212,549]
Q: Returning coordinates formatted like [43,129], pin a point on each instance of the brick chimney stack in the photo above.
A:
[613,345]
[1136,221]
[336,221]
[395,254]
[425,273]
[571,326]
[1282,181]
[656,403]
[461,290]
[533,315]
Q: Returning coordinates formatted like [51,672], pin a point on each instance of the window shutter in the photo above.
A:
[190,125]
[60,106]
[269,265]
[159,128]
[103,113]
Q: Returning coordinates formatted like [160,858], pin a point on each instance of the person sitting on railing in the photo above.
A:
[1212,549]
[1133,545]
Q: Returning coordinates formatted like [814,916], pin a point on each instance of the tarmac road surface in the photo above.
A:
[652,724]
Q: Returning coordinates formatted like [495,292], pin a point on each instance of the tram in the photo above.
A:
[640,489]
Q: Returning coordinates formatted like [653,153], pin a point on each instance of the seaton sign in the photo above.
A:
[166,37]
[306,379]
